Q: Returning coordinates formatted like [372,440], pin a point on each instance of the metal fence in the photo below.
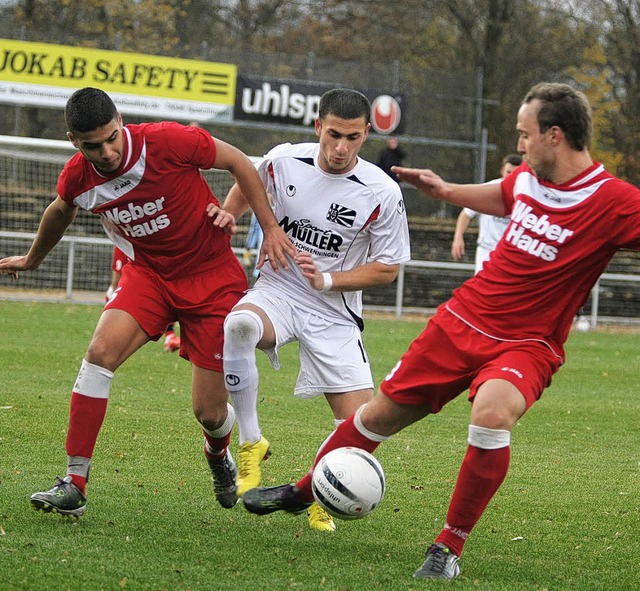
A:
[79,267]
[65,288]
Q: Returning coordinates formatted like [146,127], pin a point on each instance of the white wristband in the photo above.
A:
[327,282]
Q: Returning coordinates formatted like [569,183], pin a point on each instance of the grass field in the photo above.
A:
[567,517]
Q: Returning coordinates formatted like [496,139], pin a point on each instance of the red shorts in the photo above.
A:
[449,357]
[119,260]
[199,302]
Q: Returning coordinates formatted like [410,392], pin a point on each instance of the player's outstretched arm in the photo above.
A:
[275,245]
[425,180]
[483,198]
[55,220]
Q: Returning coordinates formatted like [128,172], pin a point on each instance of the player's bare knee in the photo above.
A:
[216,420]
[101,354]
[211,418]
[492,418]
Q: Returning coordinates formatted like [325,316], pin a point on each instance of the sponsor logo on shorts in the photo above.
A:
[513,371]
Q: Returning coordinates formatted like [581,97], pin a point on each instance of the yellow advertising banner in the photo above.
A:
[43,74]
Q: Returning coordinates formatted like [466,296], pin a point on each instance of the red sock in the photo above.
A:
[346,435]
[80,482]
[216,446]
[481,474]
[85,420]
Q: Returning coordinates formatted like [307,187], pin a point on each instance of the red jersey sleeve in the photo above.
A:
[190,144]
[72,176]
[508,184]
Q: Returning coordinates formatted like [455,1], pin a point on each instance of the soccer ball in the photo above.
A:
[583,325]
[348,483]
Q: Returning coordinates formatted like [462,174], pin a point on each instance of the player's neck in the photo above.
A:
[572,165]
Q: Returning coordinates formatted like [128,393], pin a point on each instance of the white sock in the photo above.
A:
[484,438]
[242,331]
[359,425]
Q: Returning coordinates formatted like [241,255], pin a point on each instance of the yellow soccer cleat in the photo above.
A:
[319,519]
[250,456]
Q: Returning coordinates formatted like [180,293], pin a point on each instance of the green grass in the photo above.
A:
[567,517]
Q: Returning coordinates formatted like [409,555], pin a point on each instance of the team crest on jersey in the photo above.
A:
[342,215]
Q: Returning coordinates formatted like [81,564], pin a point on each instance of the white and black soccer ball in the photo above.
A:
[348,483]
[583,324]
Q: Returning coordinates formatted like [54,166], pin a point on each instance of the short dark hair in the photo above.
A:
[565,107]
[513,159]
[345,103]
[89,108]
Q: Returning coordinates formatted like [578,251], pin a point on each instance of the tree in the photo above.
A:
[622,48]
[440,47]
[593,78]
[145,26]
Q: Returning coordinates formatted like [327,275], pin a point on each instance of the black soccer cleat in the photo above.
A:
[224,474]
[265,500]
[64,498]
[440,563]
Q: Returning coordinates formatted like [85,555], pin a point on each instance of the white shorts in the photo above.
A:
[332,356]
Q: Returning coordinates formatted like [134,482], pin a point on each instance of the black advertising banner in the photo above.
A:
[295,102]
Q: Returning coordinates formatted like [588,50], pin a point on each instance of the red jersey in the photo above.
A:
[559,241]
[154,206]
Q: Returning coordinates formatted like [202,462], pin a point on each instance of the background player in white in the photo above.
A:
[145,183]
[502,333]
[347,219]
[490,227]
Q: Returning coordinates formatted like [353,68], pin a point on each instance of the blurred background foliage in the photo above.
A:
[438,53]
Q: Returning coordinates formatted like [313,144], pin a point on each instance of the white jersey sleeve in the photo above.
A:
[470,213]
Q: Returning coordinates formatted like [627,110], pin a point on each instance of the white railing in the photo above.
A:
[32,165]
[399,309]
[594,316]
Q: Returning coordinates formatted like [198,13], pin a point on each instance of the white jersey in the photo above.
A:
[344,220]
[490,227]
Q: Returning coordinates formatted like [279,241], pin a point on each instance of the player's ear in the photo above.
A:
[318,126]
[555,135]
[72,139]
